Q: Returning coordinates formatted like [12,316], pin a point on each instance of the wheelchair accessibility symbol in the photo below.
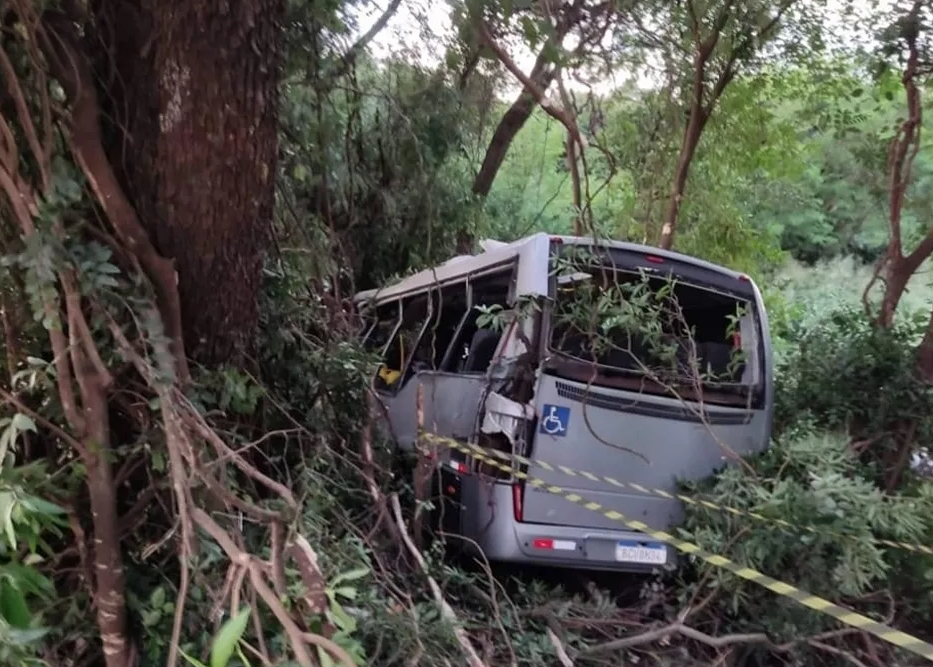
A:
[554,420]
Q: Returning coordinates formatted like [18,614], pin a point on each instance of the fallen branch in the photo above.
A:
[297,638]
[447,611]
[559,649]
[678,628]
[845,655]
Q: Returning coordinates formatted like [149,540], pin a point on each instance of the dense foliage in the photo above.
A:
[239,507]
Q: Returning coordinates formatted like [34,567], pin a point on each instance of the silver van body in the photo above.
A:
[517,390]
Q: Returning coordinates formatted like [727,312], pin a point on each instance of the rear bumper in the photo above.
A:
[491,524]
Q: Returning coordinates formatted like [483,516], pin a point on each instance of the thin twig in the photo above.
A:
[559,649]
[845,655]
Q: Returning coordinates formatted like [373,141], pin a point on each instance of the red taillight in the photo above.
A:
[736,340]
[745,279]
[517,509]
[549,544]
[556,239]
[654,259]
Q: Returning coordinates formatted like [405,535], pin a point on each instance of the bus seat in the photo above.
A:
[716,358]
[482,348]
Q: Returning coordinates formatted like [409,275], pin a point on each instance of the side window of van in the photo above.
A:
[382,324]
[396,365]
[474,347]
[450,307]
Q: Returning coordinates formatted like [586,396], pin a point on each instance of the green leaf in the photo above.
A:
[227,638]
[191,661]
[22,422]
[350,575]
[346,591]
[530,32]
[21,637]
[42,506]
[342,619]
[33,559]
[5,438]
[157,599]
[324,657]
[7,502]
[13,607]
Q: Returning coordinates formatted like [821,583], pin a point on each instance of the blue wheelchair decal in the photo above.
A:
[554,420]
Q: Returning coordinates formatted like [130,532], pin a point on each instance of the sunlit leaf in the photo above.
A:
[229,635]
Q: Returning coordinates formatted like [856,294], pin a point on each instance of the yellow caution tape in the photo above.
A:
[471,450]
[842,614]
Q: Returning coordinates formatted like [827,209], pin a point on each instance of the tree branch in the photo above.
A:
[14,89]
[678,628]
[536,91]
[447,611]
[70,67]
[349,58]
[297,638]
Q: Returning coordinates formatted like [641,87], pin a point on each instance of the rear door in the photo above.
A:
[614,424]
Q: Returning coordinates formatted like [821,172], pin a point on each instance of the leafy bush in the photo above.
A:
[812,478]
[845,374]
[847,400]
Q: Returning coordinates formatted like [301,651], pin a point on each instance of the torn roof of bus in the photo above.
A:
[533,266]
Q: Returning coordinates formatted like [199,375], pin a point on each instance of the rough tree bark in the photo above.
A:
[194,90]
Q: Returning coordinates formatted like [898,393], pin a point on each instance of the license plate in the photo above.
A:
[633,552]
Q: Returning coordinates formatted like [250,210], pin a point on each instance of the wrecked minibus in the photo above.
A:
[496,347]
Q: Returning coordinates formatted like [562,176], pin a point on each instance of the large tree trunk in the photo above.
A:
[194,94]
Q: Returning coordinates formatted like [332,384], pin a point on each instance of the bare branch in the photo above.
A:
[15,91]
[349,58]
[447,611]
[678,628]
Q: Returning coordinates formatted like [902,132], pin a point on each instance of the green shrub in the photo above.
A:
[848,375]
[846,395]
[811,478]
